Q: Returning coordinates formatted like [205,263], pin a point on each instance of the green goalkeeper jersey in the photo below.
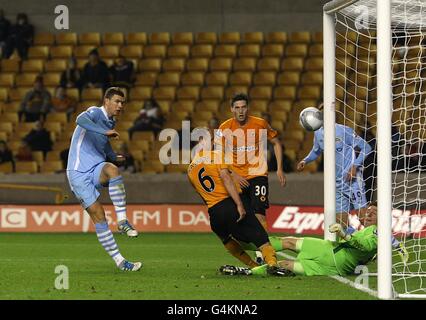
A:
[360,249]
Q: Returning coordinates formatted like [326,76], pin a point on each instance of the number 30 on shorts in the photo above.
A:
[260,191]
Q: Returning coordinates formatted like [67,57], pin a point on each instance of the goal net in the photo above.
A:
[356,107]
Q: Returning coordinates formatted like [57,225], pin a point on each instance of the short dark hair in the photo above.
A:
[238,97]
[110,92]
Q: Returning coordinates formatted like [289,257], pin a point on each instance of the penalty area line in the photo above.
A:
[343,280]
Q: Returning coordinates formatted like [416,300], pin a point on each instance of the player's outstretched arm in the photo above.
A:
[230,187]
[85,121]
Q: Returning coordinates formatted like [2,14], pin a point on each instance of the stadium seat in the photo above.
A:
[38,52]
[310,92]
[140,93]
[56,65]
[109,51]
[183,106]
[162,38]
[316,50]
[90,38]
[249,50]
[206,38]
[60,117]
[229,38]
[314,64]
[197,64]
[225,50]
[276,37]
[54,126]
[261,92]
[245,64]
[38,157]
[61,145]
[297,50]
[113,38]
[277,125]
[52,79]
[174,65]
[178,51]
[6,167]
[64,51]
[232,90]
[136,38]
[143,135]
[292,64]
[91,94]
[259,105]
[240,78]
[289,78]
[188,93]
[150,65]
[273,50]
[186,38]
[310,78]
[202,51]
[51,167]
[10,65]
[169,79]
[73,93]
[7,80]
[16,94]
[26,79]
[164,93]
[34,65]
[317,37]
[208,105]
[212,93]
[164,106]
[264,78]
[66,38]
[300,37]
[6,126]
[219,78]
[220,64]
[192,79]
[155,51]
[268,64]
[146,79]
[284,105]
[82,52]
[26,167]
[44,39]
[285,92]
[3,135]
[132,51]
[253,37]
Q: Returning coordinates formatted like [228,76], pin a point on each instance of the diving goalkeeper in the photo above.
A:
[317,257]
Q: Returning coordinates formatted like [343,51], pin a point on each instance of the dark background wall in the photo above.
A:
[174,15]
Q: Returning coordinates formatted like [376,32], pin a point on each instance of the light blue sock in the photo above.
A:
[395,243]
[107,241]
[117,194]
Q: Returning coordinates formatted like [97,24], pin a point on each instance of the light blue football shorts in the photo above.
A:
[352,196]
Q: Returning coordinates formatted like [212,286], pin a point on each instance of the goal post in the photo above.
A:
[374,83]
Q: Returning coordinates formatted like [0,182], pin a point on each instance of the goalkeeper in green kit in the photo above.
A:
[317,257]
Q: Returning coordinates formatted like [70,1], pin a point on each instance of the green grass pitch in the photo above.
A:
[176,266]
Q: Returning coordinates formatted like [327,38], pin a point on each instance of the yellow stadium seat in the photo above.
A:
[178,51]
[159,38]
[285,92]
[284,105]
[73,93]
[192,79]
[26,79]
[267,78]
[6,167]
[225,50]
[314,64]
[136,38]
[60,117]
[64,51]
[132,51]
[140,93]
[229,37]
[208,105]
[317,37]
[7,80]
[52,79]
[253,37]
[300,37]
[202,116]
[174,65]
[38,52]
[245,64]
[183,38]
[261,92]
[212,92]
[277,125]
[16,94]
[297,50]
[109,51]
[6,126]
[10,65]
[310,92]
[56,65]
[44,39]
[289,78]
[113,38]
[188,93]
[92,94]
[202,51]
[53,156]
[292,64]
[219,78]
[83,51]
[34,65]
[249,50]
[90,38]
[183,106]
[240,79]
[232,90]
[61,145]
[316,50]
[169,79]
[268,64]
[221,64]
[150,65]
[51,167]
[146,79]
[38,156]
[155,51]
[66,38]
[143,136]
[309,78]
[26,167]
[197,64]
[273,50]
[259,105]
[276,37]
[206,38]
[164,93]
[55,127]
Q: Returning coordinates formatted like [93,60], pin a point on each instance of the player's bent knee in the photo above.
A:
[111,170]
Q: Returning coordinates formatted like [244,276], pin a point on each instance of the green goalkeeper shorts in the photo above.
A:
[317,258]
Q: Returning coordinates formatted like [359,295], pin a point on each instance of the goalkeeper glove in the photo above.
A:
[337,228]
[403,253]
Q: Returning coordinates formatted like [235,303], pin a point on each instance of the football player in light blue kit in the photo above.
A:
[350,189]
[88,170]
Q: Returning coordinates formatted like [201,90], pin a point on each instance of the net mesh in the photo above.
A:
[356,107]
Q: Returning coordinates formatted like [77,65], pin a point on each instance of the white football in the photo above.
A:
[311,119]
